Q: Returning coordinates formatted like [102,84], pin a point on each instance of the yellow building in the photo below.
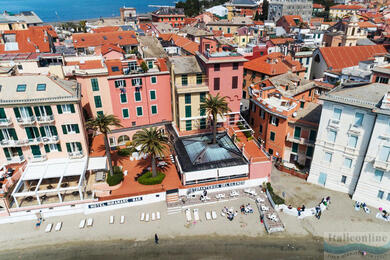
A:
[339,11]
[189,89]
[6,25]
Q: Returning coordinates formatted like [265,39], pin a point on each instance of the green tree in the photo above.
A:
[103,124]
[257,16]
[83,26]
[152,142]
[144,67]
[215,106]
[264,13]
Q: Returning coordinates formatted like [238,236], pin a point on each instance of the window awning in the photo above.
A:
[97,163]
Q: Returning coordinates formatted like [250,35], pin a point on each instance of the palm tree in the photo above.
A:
[153,142]
[215,106]
[102,124]
[83,26]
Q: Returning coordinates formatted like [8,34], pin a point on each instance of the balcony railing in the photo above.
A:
[13,143]
[75,155]
[299,140]
[50,140]
[334,123]
[382,165]
[45,119]
[38,158]
[15,159]
[5,122]
[26,120]
[355,129]
[34,141]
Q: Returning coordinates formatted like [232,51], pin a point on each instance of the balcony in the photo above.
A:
[381,165]
[334,123]
[50,140]
[5,122]
[353,129]
[38,158]
[13,143]
[45,119]
[15,159]
[192,88]
[299,140]
[26,120]
[329,145]
[34,141]
[75,155]
[350,150]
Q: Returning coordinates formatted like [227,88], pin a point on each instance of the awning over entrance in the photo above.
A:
[97,163]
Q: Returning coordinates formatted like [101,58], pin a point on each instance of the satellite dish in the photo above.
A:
[294,114]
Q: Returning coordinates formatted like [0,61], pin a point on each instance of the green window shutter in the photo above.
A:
[36,111]
[202,97]
[184,80]
[272,136]
[36,131]
[29,132]
[295,147]
[6,152]
[137,95]
[64,131]
[47,149]
[35,150]
[59,148]
[76,128]
[202,111]
[98,101]
[125,113]
[68,147]
[59,109]
[2,113]
[54,130]
[203,123]
[72,108]
[199,79]
[123,98]
[297,132]
[49,112]
[153,95]
[43,133]
[154,109]
[188,111]
[1,136]
[78,144]
[188,125]
[12,133]
[309,151]
[312,136]
[139,111]
[187,98]
[95,85]
[30,111]
[16,111]
[154,80]
[19,150]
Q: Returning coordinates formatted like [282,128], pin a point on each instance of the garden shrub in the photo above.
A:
[147,179]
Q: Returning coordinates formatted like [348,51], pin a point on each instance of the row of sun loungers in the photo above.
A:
[122,219]
[209,215]
[50,226]
[153,216]
[250,192]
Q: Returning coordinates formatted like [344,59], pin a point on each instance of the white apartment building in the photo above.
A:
[346,126]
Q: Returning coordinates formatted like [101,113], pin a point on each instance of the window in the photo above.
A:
[123,97]
[312,135]
[114,68]
[217,67]
[199,79]
[358,119]
[262,113]
[188,125]
[332,136]
[20,66]
[69,129]
[123,139]
[380,194]
[120,83]
[41,87]
[235,65]
[202,97]
[184,80]
[152,95]
[309,151]
[139,111]
[21,88]
[98,101]
[234,82]
[343,179]
[137,96]
[348,163]
[187,98]
[261,129]
[384,154]
[150,64]
[216,83]
[188,111]
[202,123]
[136,82]
[388,196]
[272,136]
[153,79]
[378,175]
[274,120]
[125,112]
[302,105]
[297,132]
[154,109]
[295,147]
[337,113]
[202,111]
[307,61]
[67,108]
[99,113]
[328,157]
[270,151]
[352,141]
[95,85]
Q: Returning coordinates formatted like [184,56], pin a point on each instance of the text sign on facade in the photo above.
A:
[217,186]
[114,202]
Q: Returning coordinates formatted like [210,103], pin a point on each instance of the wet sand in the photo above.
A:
[210,247]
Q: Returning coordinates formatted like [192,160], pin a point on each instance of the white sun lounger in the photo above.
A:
[58,226]
[89,222]
[188,215]
[111,219]
[122,219]
[82,223]
[153,216]
[147,217]
[196,215]
[208,215]
[142,216]
[214,214]
[48,228]
[158,215]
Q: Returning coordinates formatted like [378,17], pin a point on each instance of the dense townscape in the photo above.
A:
[196,104]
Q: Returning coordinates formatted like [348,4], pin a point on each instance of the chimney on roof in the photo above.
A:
[28,39]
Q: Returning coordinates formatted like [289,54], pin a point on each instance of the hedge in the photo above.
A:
[116,178]
[242,127]
[276,198]
[124,152]
[147,179]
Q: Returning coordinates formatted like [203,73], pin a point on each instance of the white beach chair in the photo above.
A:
[82,223]
[188,215]
[147,217]
[208,215]
[214,214]
[153,216]
[142,216]
[89,222]
[158,215]
[58,226]
[111,219]
[48,228]
[196,215]
[122,219]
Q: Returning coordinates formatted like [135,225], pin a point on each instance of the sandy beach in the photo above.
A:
[245,231]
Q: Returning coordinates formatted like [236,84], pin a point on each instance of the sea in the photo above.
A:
[68,10]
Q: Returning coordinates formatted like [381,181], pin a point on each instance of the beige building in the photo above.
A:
[189,88]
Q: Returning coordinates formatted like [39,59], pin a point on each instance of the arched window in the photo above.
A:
[317,58]
[123,139]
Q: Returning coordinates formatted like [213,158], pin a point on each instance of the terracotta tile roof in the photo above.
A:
[185,44]
[217,33]
[346,7]
[165,36]
[258,22]
[290,19]
[277,41]
[29,41]
[346,56]
[87,65]
[274,64]
[49,29]
[83,40]
[106,48]
[228,35]
[112,64]
[189,20]
[146,27]
[366,25]
[318,6]
[106,29]
[162,64]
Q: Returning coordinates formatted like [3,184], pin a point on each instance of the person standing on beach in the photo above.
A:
[156,238]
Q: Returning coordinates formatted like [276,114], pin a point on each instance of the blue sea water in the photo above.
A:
[65,10]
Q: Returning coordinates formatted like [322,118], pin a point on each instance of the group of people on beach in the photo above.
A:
[245,209]
[325,202]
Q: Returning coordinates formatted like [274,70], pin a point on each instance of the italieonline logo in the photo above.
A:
[347,245]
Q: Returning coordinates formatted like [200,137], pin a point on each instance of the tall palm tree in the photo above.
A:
[153,142]
[102,124]
[213,107]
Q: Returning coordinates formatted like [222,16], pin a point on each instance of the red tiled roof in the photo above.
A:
[346,7]
[87,65]
[49,29]
[165,36]
[162,64]
[114,63]
[366,25]
[106,29]
[346,56]
[290,19]
[274,64]
[106,48]
[228,35]
[318,6]
[258,22]
[217,33]
[83,40]
[185,44]
[277,41]
[189,20]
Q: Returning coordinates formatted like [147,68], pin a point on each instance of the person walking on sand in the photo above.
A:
[156,238]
